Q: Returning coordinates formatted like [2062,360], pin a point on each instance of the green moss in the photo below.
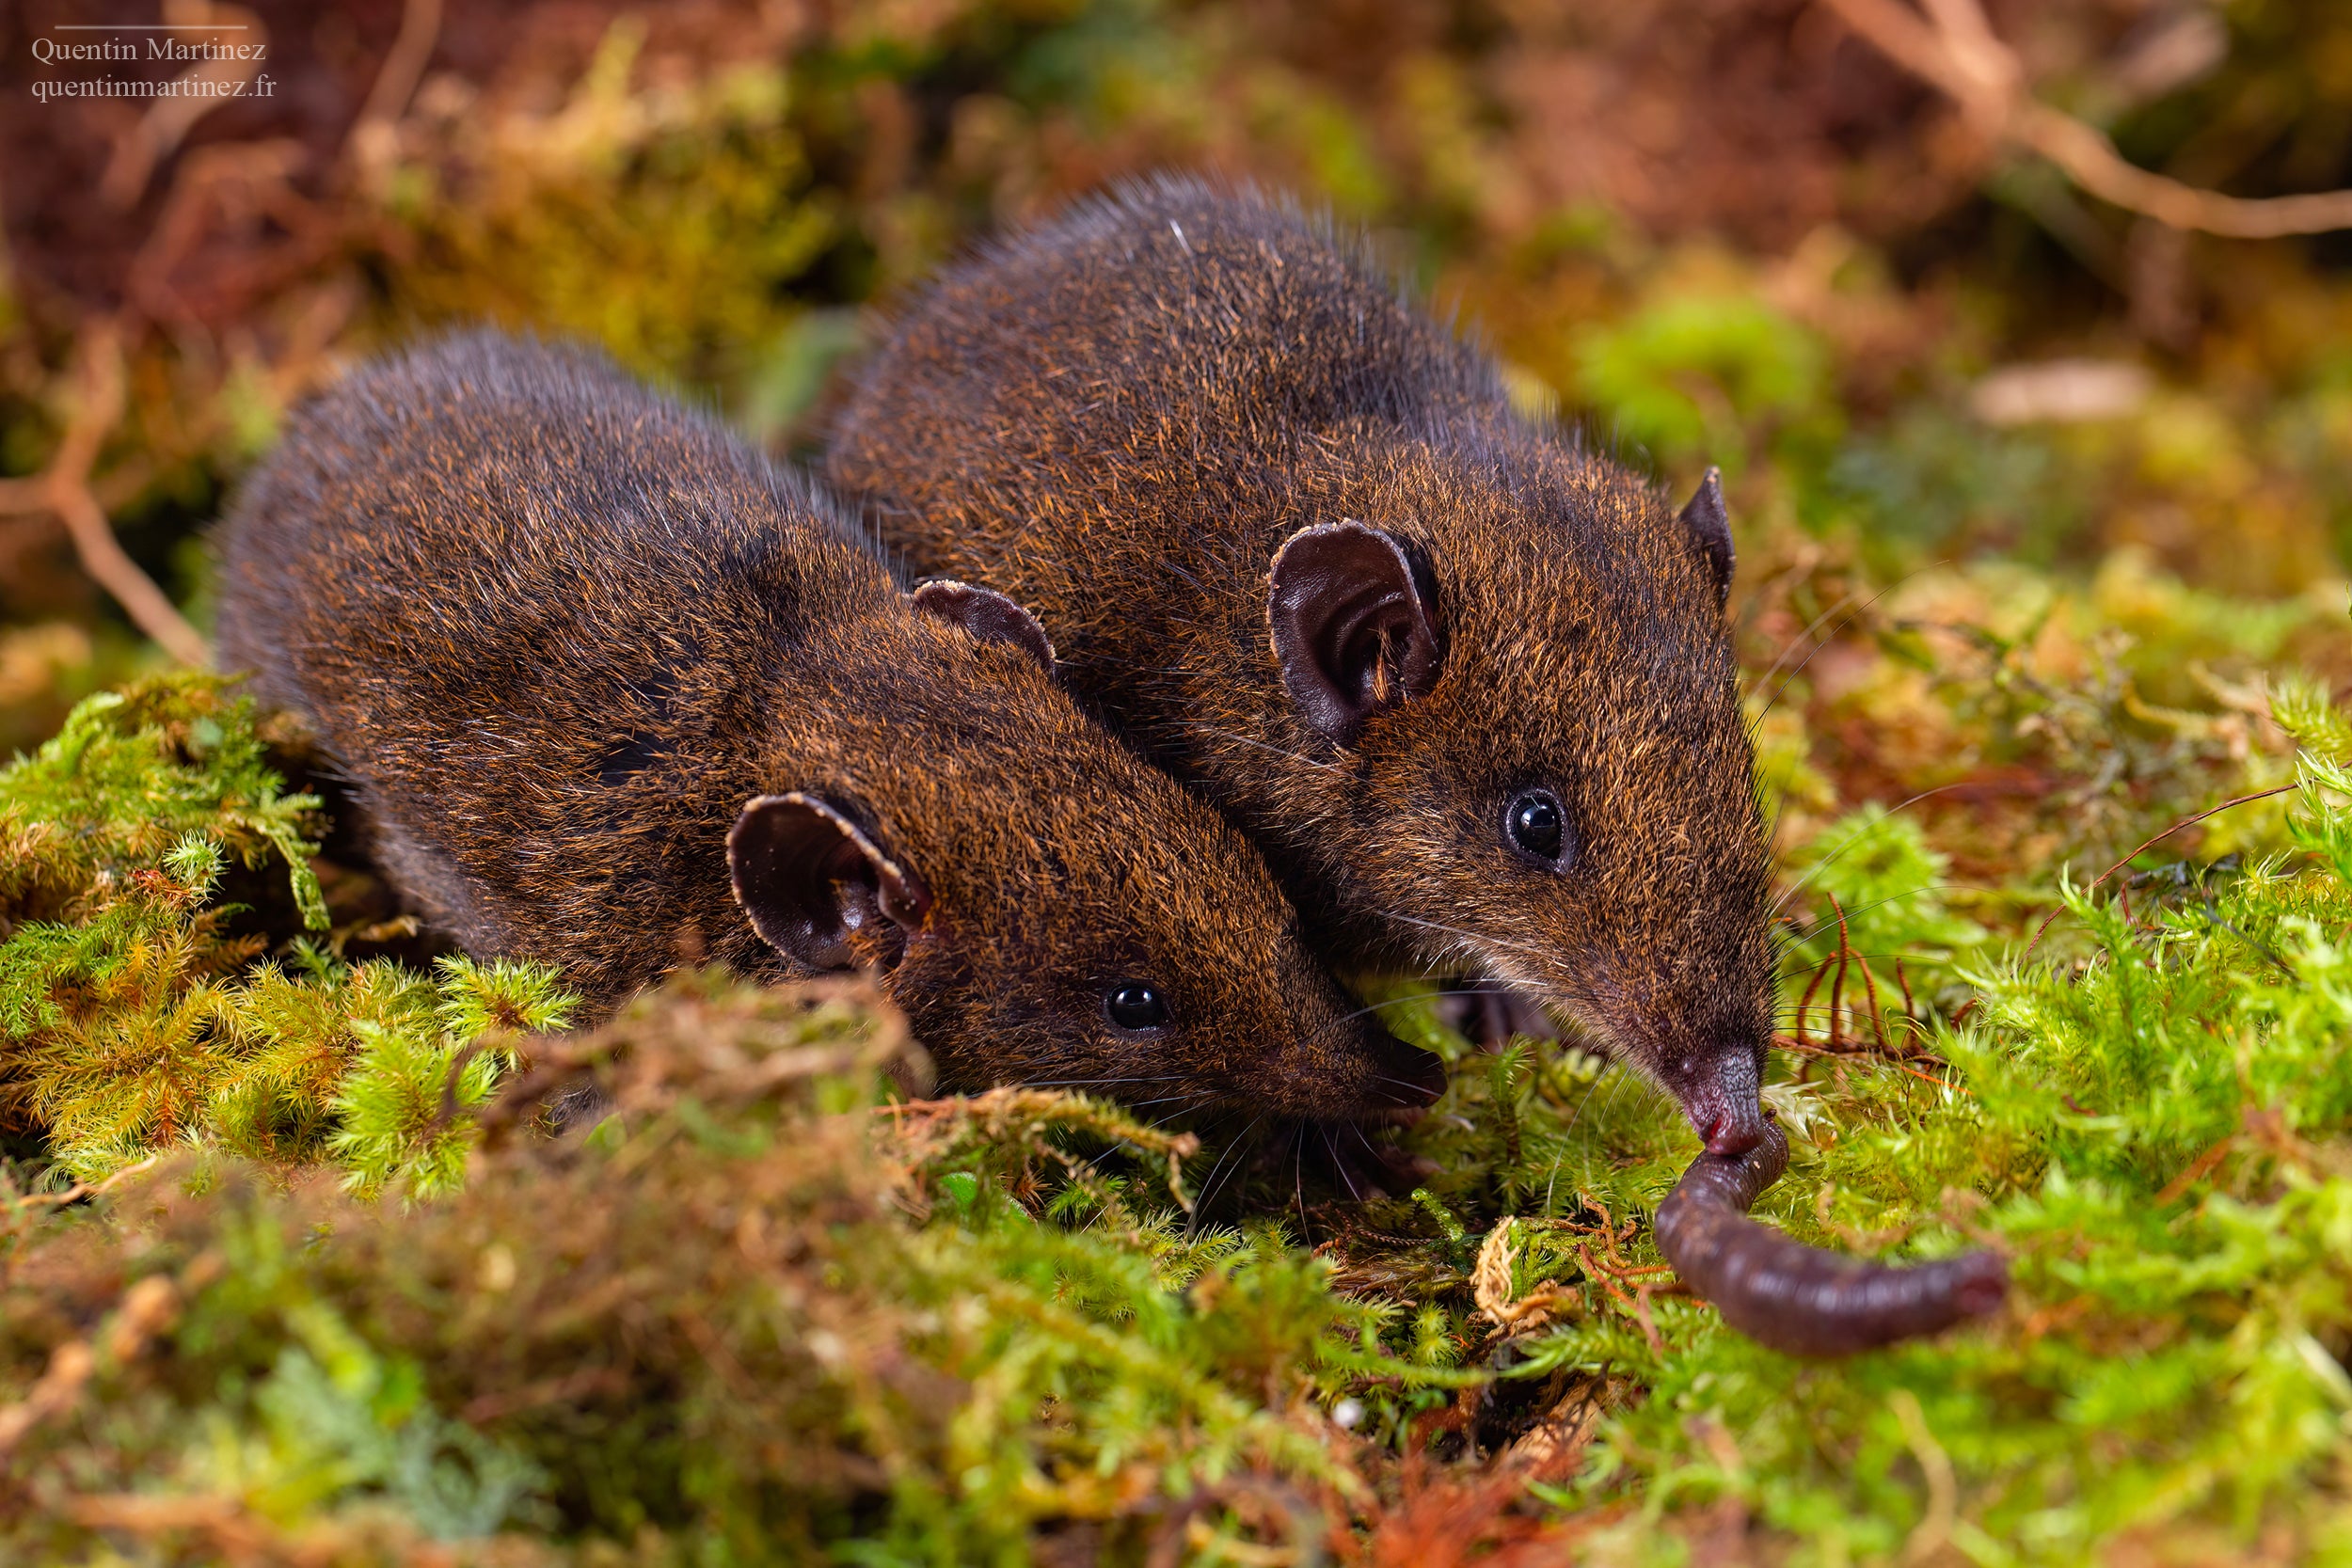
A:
[711,1332]
[134,1020]
[2155,1135]
[764,1312]
[1691,375]
[129,775]
[757,1315]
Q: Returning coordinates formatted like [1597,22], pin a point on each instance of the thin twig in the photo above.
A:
[202,89]
[404,65]
[2089,160]
[63,489]
[1954,49]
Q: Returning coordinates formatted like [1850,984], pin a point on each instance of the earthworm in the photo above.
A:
[1805,1300]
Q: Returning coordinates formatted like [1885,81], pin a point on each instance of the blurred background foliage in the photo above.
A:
[1697,231]
[2045,512]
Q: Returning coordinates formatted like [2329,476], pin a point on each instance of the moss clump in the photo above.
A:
[132,1018]
[758,1313]
[764,1312]
[130,775]
[2151,1117]
[706,1332]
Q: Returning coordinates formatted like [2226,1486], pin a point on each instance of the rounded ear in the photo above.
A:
[811,880]
[1710,526]
[987,615]
[1355,626]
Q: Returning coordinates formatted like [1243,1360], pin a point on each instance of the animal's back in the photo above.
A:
[488,493]
[1249,306]
[517,597]
[1202,333]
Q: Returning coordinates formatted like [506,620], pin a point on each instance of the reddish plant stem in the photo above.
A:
[1838,986]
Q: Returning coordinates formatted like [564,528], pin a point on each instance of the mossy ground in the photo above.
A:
[295,1273]
[292,1280]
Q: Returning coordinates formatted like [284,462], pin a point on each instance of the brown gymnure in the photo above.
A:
[1467,685]
[613,691]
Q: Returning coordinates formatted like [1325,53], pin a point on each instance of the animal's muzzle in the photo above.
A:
[1721,1095]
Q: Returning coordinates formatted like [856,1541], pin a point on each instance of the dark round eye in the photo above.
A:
[1135,1004]
[1538,826]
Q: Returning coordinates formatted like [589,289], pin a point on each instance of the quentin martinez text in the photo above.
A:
[176,51]
[51,51]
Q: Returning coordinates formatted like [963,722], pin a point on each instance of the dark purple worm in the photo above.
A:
[1803,1299]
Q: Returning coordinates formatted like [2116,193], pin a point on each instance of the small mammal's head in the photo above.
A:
[1521,649]
[1044,906]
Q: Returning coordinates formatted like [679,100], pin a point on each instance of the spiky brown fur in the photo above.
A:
[1120,418]
[558,631]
